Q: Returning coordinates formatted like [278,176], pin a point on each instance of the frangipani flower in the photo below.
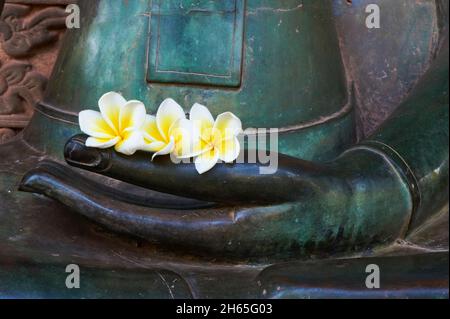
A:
[169,132]
[118,124]
[218,139]
[126,126]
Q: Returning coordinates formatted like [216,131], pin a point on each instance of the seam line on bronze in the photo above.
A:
[71,118]
[46,110]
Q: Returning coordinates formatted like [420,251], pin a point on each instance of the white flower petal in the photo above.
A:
[229,150]
[153,147]
[229,125]
[166,150]
[101,143]
[168,113]
[201,117]
[187,140]
[110,105]
[132,116]
[150,128]
[131,142]
[93,124]
[206,161]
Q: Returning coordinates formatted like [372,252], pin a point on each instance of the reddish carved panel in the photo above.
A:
[30,34]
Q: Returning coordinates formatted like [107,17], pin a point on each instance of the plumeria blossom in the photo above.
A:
[127,127]
[217,139]
[118,124]
[169,132]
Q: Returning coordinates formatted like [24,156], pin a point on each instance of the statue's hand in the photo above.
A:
[225,183]
[371,194]
[302,209]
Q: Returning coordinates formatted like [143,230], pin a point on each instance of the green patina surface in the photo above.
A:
[283,62]
[290,74]
[197,42]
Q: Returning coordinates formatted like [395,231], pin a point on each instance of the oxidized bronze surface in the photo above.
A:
[362,175]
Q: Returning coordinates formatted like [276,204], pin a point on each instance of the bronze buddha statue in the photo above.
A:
[275,65]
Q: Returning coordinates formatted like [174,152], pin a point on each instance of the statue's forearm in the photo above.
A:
[415,138]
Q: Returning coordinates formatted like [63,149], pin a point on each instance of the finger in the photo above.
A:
[203,231]
[225,183]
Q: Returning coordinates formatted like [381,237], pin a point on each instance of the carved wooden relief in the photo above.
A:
[29,43]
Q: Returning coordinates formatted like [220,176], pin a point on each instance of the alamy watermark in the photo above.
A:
[373,279]
[73,17]
[73,279]
[261,148]
[373,20]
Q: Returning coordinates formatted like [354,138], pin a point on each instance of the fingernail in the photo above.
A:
[79,155]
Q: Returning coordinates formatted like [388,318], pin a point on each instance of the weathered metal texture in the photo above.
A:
[41,234]
[363,201]
[38,242]
[40,237]
[289,42]
[427,110]
[372,194]
[416,276]
[97,283]
[303,210]
[184,49]
[409,37]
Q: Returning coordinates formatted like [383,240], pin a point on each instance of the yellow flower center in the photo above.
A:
[211,137]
